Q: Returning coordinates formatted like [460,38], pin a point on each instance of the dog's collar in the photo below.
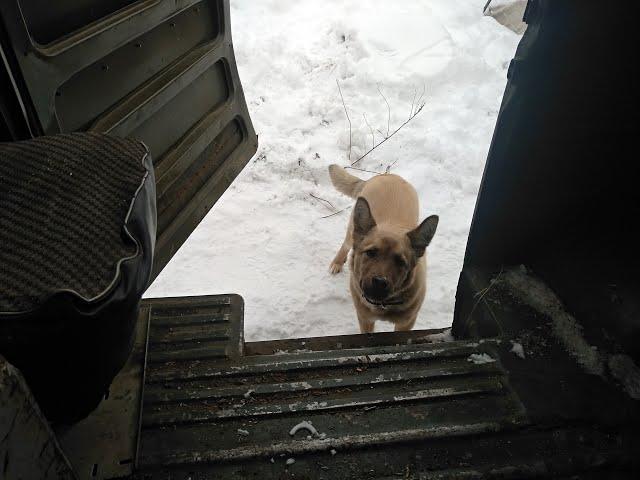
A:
[382,305]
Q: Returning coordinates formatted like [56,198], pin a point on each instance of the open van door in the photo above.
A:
[159,71]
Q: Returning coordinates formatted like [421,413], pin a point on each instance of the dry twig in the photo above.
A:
[415,92]
[388,111]
[347,114]
[336,213]
[363,170]
[420,102]
[418,110]
[413,102]
[330,205]
[480,295]
[373,136]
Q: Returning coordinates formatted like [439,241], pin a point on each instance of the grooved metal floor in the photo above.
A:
[380,406]
[205,406]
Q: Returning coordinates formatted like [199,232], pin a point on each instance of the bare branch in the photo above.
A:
[373,135]
[421,95]
[330,205]
[480,295]
[388,169]
[415,92]
[336,213]
[347,114]
[363,170]
[418,110]
[388,111]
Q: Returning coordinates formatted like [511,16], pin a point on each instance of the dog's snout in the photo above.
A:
[378,288]
[379,283]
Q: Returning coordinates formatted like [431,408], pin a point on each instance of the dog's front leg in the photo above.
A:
[365,319]
[405,325]
[341,256]
[366,325]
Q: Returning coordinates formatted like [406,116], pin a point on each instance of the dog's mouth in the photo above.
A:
[381,303]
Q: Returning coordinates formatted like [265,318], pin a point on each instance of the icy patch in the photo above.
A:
[244,433]
[444,336]
[289,352]
[537,295]
[290,461]
[480,358]
[248,393]
[626,372]
[517,349]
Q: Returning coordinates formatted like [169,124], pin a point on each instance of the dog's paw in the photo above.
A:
[335,268]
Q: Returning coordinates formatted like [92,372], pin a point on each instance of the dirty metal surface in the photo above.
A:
[333,342]
[378,406]
[193,329]
[160,71]
[232,417]
[103,445]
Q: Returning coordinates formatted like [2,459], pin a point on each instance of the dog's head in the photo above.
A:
[383,261]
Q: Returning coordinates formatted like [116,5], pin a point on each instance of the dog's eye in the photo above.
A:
[371,253]
[400,261]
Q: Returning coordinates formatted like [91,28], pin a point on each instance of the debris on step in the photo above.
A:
[480,358]
[517,349]
[304,425]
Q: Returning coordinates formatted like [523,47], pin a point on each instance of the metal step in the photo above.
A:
[213,413]
[193,329]
[382,405]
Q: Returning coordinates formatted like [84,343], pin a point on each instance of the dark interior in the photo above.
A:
[560,192]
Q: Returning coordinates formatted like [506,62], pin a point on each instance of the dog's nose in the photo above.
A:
[379,288]
[379,283]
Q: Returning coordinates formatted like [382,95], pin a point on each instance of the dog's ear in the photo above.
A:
[420,237]
[363,220]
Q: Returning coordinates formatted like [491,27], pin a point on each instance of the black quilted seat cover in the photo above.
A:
[77,230]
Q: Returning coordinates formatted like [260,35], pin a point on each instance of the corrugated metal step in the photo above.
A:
[216,411]
[389,405]
[193,328]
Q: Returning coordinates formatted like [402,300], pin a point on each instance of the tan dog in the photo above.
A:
[388,264]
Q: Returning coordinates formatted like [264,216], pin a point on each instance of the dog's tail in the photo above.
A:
[345,182]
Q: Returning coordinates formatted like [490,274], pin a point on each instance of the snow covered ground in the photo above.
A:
[265,238]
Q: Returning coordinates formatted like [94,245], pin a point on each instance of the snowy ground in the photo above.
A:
[265,239]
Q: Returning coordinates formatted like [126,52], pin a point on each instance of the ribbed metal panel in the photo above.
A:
[217,412]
